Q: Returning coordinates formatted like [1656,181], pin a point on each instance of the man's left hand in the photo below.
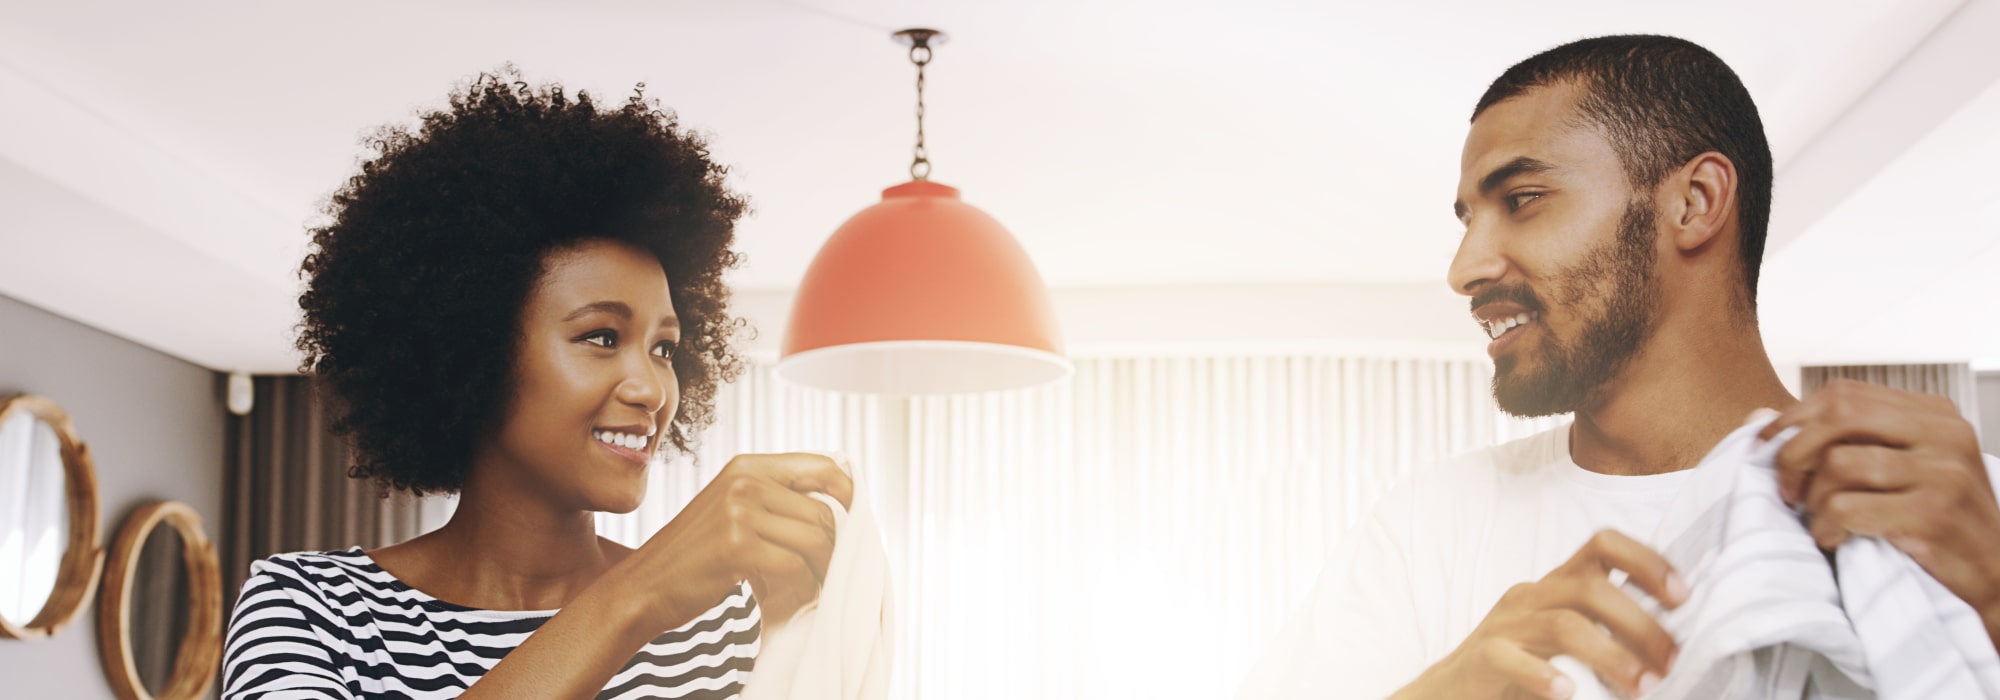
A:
[1879,462]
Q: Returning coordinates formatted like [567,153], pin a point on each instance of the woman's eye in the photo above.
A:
[1516,201]
[664,349]
[603,339]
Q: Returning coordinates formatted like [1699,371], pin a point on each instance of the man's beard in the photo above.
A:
[1569,375]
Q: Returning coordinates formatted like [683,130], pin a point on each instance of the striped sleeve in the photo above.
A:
[707,659]
[335,626]
[279,647]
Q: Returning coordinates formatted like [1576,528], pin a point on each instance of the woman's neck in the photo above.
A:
[505,548]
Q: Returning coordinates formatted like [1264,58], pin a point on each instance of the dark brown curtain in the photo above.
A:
[286,487]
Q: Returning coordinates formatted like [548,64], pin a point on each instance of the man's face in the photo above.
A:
[1558,253]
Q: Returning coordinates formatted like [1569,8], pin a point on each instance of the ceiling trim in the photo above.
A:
[1955,64]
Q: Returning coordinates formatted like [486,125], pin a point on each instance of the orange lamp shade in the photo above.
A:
[922,294]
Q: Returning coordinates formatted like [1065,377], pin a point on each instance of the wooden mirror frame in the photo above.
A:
[200,655]
[83,559]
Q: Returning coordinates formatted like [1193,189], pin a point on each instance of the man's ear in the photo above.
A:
[1701,199]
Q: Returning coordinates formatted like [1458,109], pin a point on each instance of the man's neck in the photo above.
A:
[1675,399]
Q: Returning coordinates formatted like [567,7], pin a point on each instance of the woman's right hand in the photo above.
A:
[753,522]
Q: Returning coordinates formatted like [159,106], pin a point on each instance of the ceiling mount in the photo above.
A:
[919,40]
[916,37]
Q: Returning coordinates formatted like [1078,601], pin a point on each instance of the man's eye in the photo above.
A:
[1516,201]
[603,339]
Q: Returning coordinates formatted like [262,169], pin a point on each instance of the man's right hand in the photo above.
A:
[1574,611]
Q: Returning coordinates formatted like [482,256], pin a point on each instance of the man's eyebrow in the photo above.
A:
[1518,166]
[1499,176]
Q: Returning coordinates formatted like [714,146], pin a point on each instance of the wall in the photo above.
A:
[155,425]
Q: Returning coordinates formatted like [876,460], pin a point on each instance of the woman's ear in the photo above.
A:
[1702,198]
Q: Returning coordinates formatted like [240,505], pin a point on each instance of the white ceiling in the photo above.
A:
[158,161]
[1907,269]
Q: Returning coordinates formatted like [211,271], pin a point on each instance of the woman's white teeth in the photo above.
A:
[625,440]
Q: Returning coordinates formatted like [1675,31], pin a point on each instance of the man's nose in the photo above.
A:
[1478,261]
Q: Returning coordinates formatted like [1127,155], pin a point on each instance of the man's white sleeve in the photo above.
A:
[1356,635]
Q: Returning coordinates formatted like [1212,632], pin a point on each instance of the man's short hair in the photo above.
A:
[1661,101]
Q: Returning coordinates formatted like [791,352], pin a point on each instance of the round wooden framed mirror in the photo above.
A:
[49,556]
[159,618]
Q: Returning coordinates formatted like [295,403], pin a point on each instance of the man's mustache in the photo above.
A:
[1519,294]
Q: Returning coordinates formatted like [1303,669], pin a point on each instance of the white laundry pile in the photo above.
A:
[1769,617]
[839,646]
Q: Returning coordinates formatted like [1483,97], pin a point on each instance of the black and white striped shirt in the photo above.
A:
[335,625]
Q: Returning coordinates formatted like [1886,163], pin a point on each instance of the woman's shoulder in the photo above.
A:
[315,562]
[322,574]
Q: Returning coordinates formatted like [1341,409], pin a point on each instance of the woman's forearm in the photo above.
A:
[574,654]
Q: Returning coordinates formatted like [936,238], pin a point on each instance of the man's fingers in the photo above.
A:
[1858,468]
[1527,671]
[1800,459]
[1580,638]
[1868,514]
[1844,412]
[1839,396]
[1628,623]
[1610,549]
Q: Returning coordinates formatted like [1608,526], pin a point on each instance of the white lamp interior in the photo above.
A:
[911,367]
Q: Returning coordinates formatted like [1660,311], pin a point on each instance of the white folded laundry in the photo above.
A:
[839,646]
[1769,616]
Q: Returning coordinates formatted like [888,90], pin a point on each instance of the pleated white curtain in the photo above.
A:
[1141,529]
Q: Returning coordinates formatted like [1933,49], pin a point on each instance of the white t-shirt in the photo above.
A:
[1412,579]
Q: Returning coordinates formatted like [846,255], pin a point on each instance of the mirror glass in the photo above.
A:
[34,515]
[158,609]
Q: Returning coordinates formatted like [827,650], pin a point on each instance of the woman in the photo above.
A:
[522,301]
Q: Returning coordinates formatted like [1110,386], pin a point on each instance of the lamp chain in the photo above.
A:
[920,165]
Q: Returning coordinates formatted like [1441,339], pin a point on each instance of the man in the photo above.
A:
[1614,193]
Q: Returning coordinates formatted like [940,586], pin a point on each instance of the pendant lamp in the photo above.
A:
[922,294]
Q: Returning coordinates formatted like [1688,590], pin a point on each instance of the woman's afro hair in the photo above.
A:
[417,278]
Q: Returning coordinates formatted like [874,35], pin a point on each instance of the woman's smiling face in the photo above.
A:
[595,388]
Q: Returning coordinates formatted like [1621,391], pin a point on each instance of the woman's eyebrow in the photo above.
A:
[616,308]
[619,309]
